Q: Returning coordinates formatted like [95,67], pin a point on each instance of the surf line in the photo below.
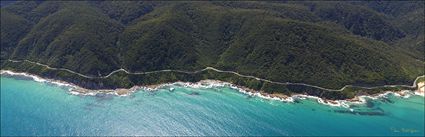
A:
[214,69]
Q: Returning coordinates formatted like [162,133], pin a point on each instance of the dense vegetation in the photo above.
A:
[329,44]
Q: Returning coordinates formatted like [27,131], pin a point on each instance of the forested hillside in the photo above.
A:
[329,44]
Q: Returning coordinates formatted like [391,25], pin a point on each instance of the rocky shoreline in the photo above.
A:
[77,90]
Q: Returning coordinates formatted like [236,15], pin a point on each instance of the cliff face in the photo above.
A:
[421,88]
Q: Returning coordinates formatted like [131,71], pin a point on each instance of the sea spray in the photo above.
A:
[76,90]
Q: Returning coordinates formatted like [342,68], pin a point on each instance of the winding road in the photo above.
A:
[214,69]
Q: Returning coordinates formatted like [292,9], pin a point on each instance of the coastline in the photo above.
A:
[77,90]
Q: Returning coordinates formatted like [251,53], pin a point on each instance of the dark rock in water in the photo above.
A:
[313,109]
[369,104]
[387,100]
[297,101]
[103,97]
[94,105]
[368,113]
[91,106]
[249,96]
[379,109]
[152,93]
[353,106]
[194,93]
[377,113]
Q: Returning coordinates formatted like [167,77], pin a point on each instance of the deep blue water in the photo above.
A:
[34,108]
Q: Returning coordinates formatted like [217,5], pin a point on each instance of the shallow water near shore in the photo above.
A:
[34,108]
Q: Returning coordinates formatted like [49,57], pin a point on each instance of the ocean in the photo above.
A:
[30,108]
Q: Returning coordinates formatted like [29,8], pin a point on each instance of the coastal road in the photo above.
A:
[214,69]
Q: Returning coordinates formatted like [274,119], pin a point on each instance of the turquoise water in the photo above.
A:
[34,108]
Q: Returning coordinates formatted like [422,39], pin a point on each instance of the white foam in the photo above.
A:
[74,90]
[74,93]
[420,94]
[37,78]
